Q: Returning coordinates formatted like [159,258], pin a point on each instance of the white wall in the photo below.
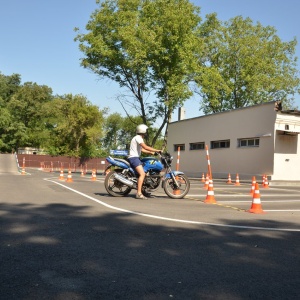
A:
[287,148]
[250,122]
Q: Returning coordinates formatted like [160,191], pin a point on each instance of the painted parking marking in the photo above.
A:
[170,219]
[282,210]
[233,194]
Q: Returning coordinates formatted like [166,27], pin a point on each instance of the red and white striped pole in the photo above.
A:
[208,162]
[178,158]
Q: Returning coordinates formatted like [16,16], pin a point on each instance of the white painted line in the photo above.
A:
[262,200]
[170,219]
[221,195]
[245,196]
[290,210]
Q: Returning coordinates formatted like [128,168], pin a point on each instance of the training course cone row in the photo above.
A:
[61,175]
[256,207]
[229,179]
[94,177]
[69,177]
[203,178]
[237,180]
[210,197]
[265,182]
[176,191]
[23,172]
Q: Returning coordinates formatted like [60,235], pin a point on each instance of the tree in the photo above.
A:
[9,86]
[149,48]
[5,121]
[76,126]
[118,132]
[246,64]
[112,132]
[27,126]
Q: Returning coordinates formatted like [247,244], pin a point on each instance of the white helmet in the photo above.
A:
[142,128]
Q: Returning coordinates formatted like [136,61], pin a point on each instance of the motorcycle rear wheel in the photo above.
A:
[114,187]
[172,192]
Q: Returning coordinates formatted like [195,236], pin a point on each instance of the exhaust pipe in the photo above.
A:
[124,180]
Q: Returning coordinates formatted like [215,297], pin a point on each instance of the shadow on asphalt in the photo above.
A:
[58,252]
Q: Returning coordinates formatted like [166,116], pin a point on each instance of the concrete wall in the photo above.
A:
[256,121]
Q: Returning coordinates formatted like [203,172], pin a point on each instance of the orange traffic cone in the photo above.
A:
[210,197]
[229,179]
[23,167]
[94,175]
[69,177]
[237,180]
[253,185]
[265,182]
[61,175]
[82,173]
[256,207]
[203,178]
[176,191]
[23,171]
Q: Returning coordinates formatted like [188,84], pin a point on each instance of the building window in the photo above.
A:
[197,146]
[248,142]
[181,147]
[220,144]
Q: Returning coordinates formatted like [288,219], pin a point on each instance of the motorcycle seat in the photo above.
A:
[123,161]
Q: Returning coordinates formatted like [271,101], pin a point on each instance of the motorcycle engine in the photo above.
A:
[152,180]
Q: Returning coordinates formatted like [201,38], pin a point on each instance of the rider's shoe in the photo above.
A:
[140,196]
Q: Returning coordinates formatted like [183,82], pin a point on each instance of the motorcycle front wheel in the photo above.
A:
[114,187]
[183,189]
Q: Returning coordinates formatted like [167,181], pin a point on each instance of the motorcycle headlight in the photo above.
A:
[169,159]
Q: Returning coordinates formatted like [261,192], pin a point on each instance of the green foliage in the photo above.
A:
[31,117]
[118,132]
[154,50]
[245,64]
[8,86]
[76,126]
[146,47]
[27,107]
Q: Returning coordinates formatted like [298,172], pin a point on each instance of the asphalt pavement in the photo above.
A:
[71,240]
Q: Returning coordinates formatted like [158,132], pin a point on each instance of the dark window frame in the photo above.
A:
[182,147]
[220,144]
[197,146]
[248,142]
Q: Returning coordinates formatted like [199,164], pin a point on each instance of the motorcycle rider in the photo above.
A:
[137,146]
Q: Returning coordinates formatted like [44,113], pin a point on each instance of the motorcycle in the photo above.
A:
[121,178]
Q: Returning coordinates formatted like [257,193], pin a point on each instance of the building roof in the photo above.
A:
[291,112]
[227,111]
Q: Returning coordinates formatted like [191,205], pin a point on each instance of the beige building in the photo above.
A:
[250,141]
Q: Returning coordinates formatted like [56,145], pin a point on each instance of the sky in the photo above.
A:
[37,42]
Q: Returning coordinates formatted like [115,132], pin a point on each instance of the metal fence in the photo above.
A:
[56,163]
